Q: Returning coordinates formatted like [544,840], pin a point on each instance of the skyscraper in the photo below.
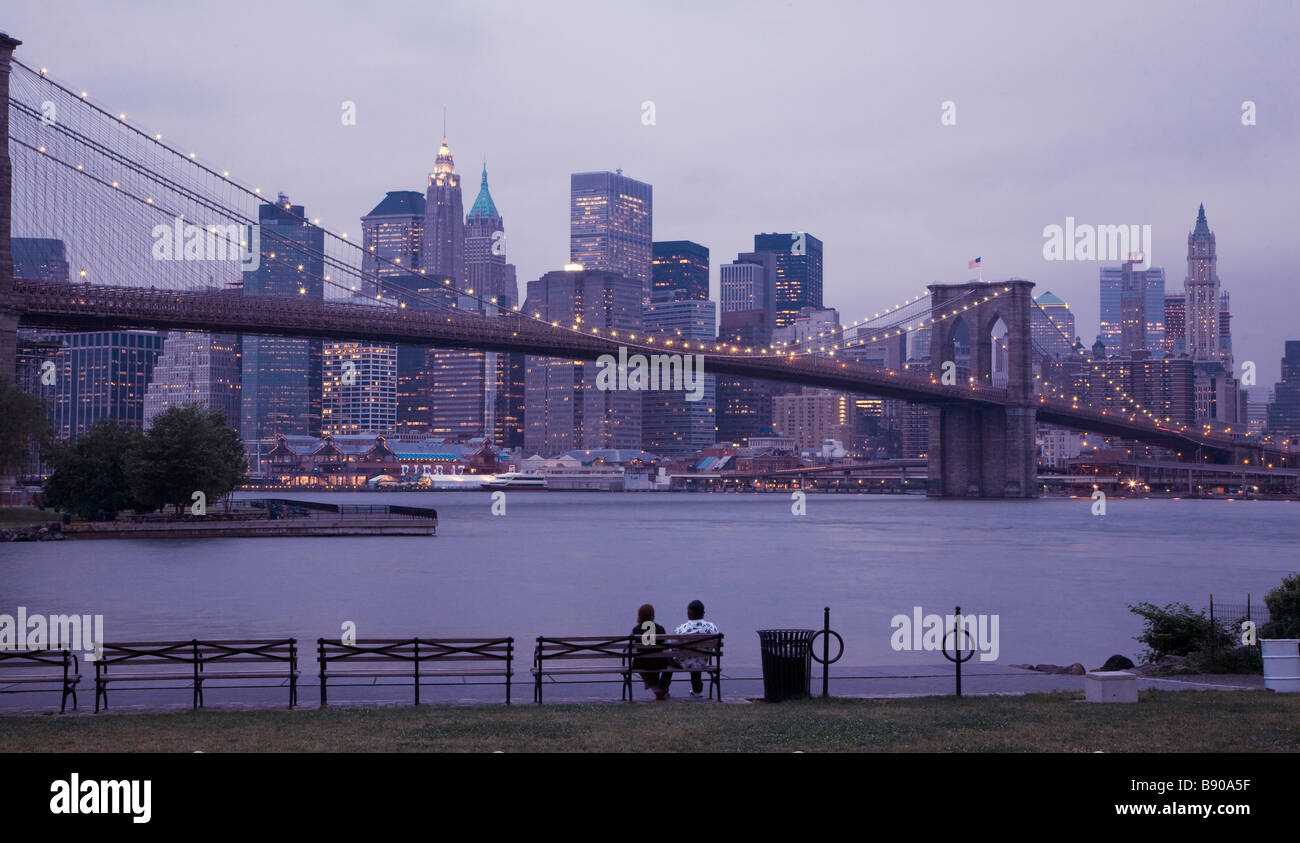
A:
[196,367]
[748,283]
[282,375]
[611,221]
[476,393]
[564,409]
[101,375]
[1284,409]
[669,423]
[1225,330]
[442,254]
[745,404]
[1202,287]
[359,388]
[40,259]
[813,415]
[364,399]
[459,382]
[1052,326]
[812,329]
[1142,292]
[486,272]
[680,265]
[1175,324]
[414,388]
[798,261]
[393,233]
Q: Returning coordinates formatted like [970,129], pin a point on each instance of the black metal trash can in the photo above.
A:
[787,662]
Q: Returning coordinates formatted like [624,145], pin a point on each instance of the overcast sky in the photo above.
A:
[821,117]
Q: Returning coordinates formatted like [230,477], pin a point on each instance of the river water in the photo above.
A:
[1058,577]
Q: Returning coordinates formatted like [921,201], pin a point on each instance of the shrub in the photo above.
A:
[1283,609]
[1175,630]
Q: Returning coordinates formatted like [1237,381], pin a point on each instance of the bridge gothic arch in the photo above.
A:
[987,452]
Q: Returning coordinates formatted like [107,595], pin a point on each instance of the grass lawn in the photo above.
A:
[1164,721]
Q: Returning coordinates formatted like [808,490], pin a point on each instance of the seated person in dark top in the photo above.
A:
[651,668]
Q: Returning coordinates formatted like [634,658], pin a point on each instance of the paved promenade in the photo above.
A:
[743,686]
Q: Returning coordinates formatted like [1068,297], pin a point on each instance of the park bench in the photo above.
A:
[417,659]
[40,667]
[613,655]
[197,663]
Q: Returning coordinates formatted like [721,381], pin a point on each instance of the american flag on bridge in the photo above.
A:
[974,263]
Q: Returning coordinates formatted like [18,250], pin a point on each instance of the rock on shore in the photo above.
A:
[53,531]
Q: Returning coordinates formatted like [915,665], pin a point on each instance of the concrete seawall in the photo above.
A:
[253,528]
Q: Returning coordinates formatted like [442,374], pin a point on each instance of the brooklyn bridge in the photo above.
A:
[74,170]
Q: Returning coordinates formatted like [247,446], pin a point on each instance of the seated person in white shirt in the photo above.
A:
[696,625]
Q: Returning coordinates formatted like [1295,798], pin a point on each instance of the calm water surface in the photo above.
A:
[575,563]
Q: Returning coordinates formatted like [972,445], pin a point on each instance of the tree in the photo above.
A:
[89,475]
[187,449]
[23,423]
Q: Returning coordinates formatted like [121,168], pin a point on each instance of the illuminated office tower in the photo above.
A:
[282,375]
[748,282]
[359,388]
[413,389]
[745,404]
[1175,324]
[40,259]
[798,283]
[196,367]
[564,409]
[392,235]
[813,415]
[476,393]
[101,375]
[442,253]
[1140,294]
[1051,325]
[610,226]
[670,424]
[1284,408]
[1202,289]
[1225,330]
[680,265]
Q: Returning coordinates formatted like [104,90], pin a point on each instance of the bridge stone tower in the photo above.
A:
[8,307]
[991,451]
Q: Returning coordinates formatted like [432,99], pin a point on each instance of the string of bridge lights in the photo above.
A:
[782,350]
[575,327]
[1074,399]
[468,292]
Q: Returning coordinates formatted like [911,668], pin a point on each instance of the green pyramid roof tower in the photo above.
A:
[484,207]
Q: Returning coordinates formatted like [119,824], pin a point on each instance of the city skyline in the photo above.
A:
[904,215]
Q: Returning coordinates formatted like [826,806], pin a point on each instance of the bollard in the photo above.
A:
[956,658]
[826,661]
